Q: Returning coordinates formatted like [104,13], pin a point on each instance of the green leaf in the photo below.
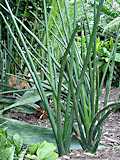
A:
[29,97]
[44,149]
[113,25]
[32,134]
[7,153]
[32,149]
[18,142]
[117,57]
[29,133]
[52,156]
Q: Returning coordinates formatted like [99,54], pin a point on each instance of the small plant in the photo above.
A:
[42,151]
[10,147]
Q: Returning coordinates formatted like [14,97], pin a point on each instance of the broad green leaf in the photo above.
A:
[29,97]
[18,142]
[117,57]
[44,149]
[29,133]
[52,156]
[32,134]
[32,149]
[7,153]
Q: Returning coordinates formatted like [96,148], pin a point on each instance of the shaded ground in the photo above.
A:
[39,117]
[111,132]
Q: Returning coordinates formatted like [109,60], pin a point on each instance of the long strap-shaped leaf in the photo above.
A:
[23,25]
[31,67]
[64,59]
[101,116]
[91,42]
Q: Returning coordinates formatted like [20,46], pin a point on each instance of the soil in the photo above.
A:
[110,137]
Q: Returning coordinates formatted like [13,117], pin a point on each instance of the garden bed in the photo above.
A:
[110,138]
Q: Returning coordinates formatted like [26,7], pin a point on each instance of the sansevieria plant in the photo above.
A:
[71,69]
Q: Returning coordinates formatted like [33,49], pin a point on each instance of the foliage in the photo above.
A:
[70,68]
[42,151]
[104,49]
[10,147]
[12,62]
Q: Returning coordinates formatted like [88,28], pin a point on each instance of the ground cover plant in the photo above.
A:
[68,65]
[12,148]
